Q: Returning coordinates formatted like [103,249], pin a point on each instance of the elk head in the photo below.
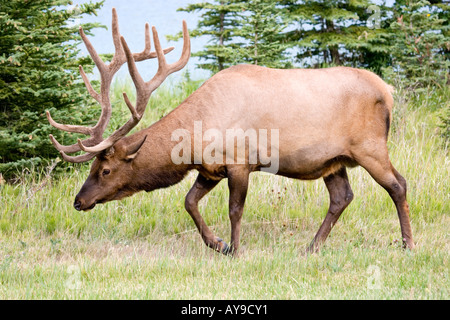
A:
[111,173]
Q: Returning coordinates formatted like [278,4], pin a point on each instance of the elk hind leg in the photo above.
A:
[340,197]
[379,166]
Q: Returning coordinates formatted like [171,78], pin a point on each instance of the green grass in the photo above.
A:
[147,247]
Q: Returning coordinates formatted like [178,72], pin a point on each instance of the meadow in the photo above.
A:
[147,246]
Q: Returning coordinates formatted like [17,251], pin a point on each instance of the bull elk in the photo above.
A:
[325,119]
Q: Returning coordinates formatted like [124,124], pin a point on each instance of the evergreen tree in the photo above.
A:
[240,32]
[218,23]
[261,27]
[39,71]
[420,42]
[336,32]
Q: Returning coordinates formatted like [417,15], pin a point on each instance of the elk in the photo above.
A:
[326,120]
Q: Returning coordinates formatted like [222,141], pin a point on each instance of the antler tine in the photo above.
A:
[74,128]
[164,69]
[116,32]
[185,53]
[74,147]
[77,159]
[162,63]
[146,53]
[68,127]
[112,139]
[134,73]
[94,94]
[60,147]
[119,57]
[92,52]
[71,148]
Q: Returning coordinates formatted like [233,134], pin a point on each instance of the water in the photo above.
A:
[133,14]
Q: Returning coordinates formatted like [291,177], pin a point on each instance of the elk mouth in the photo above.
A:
[91,207]
[79,206]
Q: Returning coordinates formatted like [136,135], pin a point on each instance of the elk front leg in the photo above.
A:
[200,188]
[238,185]
[340,197]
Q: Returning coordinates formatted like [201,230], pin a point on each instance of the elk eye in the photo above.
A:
[106,172]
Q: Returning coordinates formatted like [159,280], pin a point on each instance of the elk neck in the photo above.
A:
[153,166]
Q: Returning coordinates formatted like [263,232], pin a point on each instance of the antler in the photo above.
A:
[95,144]
[143,89]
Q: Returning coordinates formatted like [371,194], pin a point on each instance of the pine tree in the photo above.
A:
[39,71]
[420,42]
[334,32]
[261,31]
[240,32]
[218,23]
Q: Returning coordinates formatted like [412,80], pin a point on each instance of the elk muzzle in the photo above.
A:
[81,205]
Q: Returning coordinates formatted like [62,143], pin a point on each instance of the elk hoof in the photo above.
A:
[225,249]
[408,244]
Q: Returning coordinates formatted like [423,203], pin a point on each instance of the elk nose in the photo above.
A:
[77,204]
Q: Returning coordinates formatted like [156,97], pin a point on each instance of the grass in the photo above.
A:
[147,247]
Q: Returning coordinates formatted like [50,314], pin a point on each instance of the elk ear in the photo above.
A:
[132,150]
[106,153]
[109,152]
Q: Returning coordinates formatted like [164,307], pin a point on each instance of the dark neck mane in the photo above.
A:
[162,178]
